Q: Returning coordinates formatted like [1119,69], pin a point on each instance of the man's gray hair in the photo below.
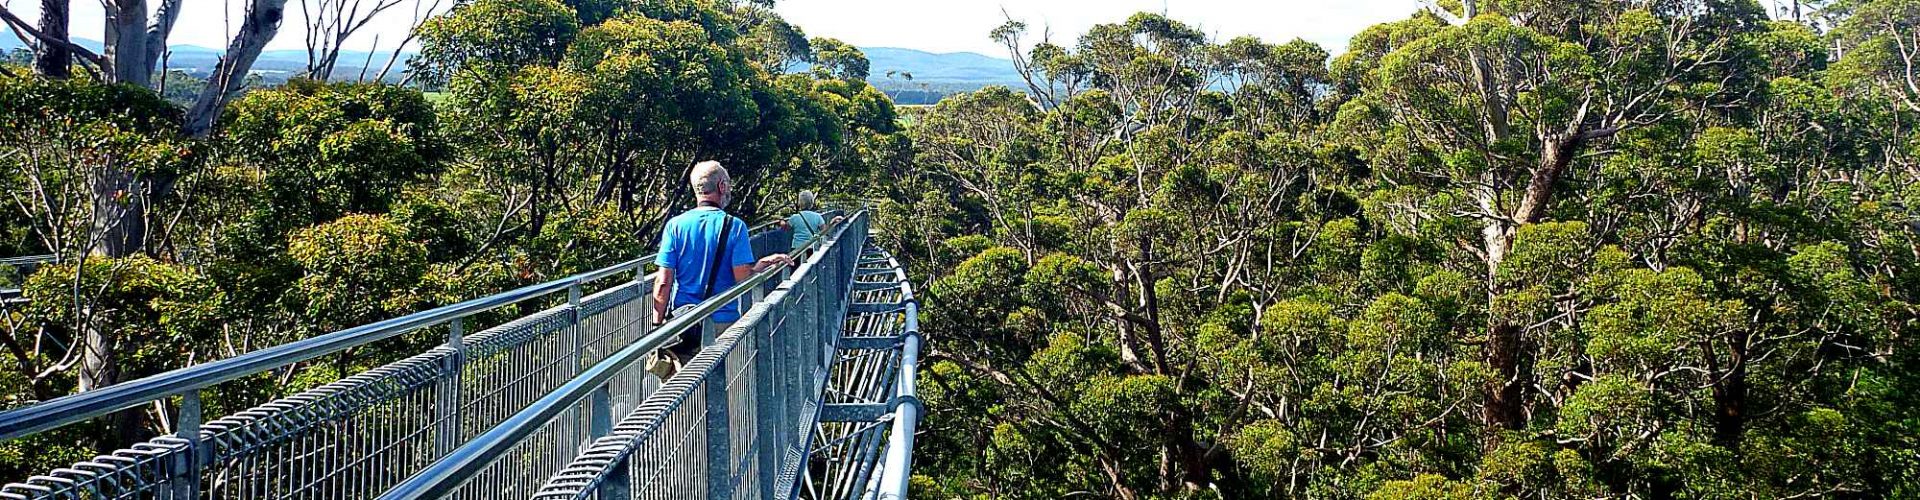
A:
[806,199]
[708,176]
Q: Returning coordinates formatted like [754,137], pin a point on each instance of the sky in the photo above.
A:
[962,25]
[930,25]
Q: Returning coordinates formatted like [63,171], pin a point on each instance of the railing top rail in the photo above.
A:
[53,413]
[27,259]
[896,477]
[471,458]
[65,410]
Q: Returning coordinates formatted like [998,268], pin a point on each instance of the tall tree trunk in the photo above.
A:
[1506,349]
[120,212]
[119,218]
[99,368]
[1129,340]
[1506,406]
[126,42]
[1730,394]
[261,24]
[1505,391]
[1196,473]
[157,34]
[54,60]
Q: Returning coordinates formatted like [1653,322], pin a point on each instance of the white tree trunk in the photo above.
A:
[126,42]
[262,23]
[158,32]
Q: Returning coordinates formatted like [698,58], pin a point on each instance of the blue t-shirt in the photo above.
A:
[687,246]
[804,224]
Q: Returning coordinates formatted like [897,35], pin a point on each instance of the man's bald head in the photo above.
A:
[710,181]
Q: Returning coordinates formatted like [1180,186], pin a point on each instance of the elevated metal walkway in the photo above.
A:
[13,274]
[808,395]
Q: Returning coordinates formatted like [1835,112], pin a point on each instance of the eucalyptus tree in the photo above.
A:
[1507,249]
[1501,107]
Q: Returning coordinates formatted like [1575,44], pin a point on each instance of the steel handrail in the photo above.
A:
[73,408]
[450,472]
[53,413]
[27,259]
[896,474]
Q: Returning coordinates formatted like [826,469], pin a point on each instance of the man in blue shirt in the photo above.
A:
[807,222]
[694,262]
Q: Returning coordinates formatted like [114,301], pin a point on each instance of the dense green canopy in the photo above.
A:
[1584,249]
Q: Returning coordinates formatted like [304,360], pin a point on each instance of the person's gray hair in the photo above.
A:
[707,177]
[806,199]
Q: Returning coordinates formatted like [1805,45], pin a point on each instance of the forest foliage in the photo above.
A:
[1496,249]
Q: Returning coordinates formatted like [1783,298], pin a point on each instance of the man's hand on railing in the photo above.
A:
[778,259]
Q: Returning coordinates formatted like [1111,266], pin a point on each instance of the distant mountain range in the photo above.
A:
[932,74]
[892,64]
[272,65]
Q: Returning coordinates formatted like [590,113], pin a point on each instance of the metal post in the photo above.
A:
[600,412]
[906,413]
[807,324]
[719,437]
[618,485]
[645,321]
[649,383]
[822,286]
[787,370]
[573,330]
[766,416]
[186,466]
[447,400]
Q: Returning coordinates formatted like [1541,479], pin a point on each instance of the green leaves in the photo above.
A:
[496,36]
[1560,250]
[1425,487]
[1428,81]
[835,59]
[325,150]
[1267,448]
[1393,323]
[358,269]
[140,300]
[1606,410]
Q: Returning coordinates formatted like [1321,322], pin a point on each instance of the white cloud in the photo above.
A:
[932,25]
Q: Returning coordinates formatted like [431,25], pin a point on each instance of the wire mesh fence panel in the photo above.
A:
[356,437]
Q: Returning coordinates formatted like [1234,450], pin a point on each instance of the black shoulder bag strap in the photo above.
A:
[719,252]
[810,227]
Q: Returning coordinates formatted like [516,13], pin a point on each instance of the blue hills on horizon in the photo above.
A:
[949,67]
[933,74]
[198,61]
